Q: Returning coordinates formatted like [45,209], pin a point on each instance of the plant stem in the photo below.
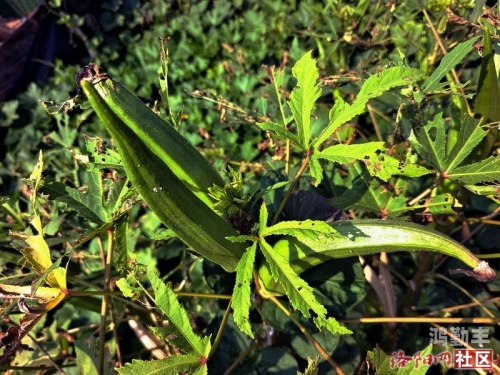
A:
[104,306]
[290,189]
[221,330]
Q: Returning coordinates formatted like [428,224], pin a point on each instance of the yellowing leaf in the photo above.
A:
[38,255]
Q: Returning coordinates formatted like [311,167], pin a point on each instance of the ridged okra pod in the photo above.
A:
[166,194]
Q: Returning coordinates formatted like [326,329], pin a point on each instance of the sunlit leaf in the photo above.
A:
[298,291]
[373,155]
[304,96]
[178,332]
[241,301]
[449,61]
[487,170]
[374,86]
[168,366]
[469,137]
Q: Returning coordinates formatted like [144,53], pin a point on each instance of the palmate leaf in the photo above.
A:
[432,137]
[373,155]
[89,204]
[471,134]
[487,170]
[304,95]
[449,61]
[373,87]
[241,294]
[430,142]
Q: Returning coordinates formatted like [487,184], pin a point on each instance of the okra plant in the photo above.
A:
[225,222]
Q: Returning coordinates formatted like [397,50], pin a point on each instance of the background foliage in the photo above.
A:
[220,56]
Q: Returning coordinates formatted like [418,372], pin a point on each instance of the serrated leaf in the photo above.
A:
[469,137]
[178,332]
[86,204]
[117,195]
[487,170]
[332,325]
[298,291]
[241,295]
[373,155]
[316,170]
[449,61]
[304,96]
[167,366]
[374,86]
[300,229]
[432,137]
[280,131]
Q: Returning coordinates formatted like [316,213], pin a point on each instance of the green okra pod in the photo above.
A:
[364,237]
[168,197]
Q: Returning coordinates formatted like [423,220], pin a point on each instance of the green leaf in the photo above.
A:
[487,170]
[129,286]
[178,332]
[298,291]
[263,216]
[469,137]
[86,357]
[332,325]
[373,155]
[86,204]
[281,132]
[168,366]
[300,229]
[122,238]
[304,96]
[432,137]
[316,170]
[373,87]
[99,156]
[241,294]
[449,61]
[439,204]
